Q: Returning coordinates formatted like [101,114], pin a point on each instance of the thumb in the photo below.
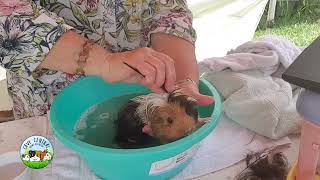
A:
[204,100]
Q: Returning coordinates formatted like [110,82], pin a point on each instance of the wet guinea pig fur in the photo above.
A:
[165,117]
[265,166]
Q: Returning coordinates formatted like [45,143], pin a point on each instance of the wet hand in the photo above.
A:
[144,66]
[191,89]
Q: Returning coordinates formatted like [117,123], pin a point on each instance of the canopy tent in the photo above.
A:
[224,24]
[5,103]
[220,25]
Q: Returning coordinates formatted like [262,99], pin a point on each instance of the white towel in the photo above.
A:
[249,80]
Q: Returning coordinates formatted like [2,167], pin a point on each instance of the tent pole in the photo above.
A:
[271,15]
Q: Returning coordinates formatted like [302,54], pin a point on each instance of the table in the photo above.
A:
[13,133]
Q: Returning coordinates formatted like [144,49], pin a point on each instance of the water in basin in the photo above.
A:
[97,127]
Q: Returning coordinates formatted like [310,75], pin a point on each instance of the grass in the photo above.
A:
[36,165]
[301,28]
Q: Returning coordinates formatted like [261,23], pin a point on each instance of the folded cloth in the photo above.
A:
[228,144]
[249,80]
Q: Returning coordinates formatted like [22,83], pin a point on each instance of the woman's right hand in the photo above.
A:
[155,70]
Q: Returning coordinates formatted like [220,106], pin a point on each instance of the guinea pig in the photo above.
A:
[164,117]
[265,166]
[32,153]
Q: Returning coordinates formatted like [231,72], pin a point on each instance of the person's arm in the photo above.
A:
[183,54]
[154,69]
[64,55]
[169,30]
[27,34]
[33,40]
[181,51]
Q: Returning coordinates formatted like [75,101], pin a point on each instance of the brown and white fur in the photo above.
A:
[166,117]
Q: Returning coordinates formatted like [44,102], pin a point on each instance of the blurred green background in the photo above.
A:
[298,20]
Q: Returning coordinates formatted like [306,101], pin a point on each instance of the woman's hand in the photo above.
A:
[183,53]
[145,66]
[191,89]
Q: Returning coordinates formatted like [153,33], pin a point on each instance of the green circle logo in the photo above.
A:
[36,152]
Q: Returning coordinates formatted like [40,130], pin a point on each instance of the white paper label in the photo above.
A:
[170,163]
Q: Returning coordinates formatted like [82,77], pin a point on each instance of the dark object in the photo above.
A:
[129,128]
[305,70]
[6,116]
[265,167]
[133,68]
[32,153]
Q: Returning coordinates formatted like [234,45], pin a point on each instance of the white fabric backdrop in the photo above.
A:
[224,24]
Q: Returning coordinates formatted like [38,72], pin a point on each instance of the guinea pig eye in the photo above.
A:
[170,121]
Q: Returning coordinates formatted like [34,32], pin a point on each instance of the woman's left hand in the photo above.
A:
[192,90]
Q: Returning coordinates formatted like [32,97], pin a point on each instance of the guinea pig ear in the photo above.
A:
[202,121]
[191,110]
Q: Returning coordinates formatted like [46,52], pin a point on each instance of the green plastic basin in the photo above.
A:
[159,162]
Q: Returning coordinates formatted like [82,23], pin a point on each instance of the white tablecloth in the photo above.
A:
[227,145]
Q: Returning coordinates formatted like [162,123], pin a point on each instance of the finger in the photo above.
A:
[170,76]
[153,88]
[138,78]
[160,70]
[146,70]
[204,100]
[191,90]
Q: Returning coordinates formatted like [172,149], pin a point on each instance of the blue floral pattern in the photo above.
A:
[117,25]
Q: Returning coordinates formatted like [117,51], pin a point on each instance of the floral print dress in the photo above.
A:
[29,29]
